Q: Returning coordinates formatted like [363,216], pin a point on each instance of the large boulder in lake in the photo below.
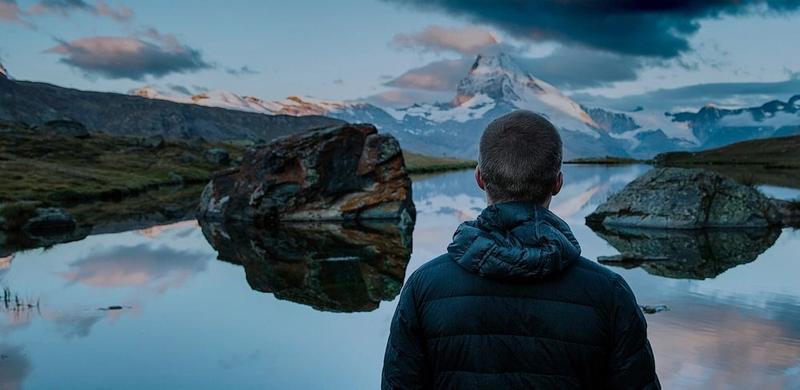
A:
[345,172]
[678,198]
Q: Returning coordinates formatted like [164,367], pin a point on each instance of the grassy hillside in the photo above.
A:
[774,161]
[776,153]
[52,168]
[101,179]
[420,163]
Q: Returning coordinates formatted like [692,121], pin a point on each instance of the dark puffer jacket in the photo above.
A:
[512,305]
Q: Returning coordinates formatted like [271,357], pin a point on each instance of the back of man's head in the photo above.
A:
[520,158]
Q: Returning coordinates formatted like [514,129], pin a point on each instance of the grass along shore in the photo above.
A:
[54,168]
[770,153]
[607,160]
[99,178]
[419,163]
[772,161]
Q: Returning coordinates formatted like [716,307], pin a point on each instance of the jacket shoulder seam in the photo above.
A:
[509,297]
[518,335]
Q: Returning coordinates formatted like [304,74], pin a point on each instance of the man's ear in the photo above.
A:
[559,184]
[479,179]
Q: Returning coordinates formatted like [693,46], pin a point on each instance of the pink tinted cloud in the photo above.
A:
[10,11]
[465,40]
[437,76]
[66,7]
[130,57]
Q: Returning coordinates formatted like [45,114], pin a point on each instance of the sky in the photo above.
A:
[675,53]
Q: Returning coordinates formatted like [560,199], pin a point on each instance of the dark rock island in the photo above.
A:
[678,198]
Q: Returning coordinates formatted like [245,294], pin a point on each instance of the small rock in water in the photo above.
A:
[654,309]
[111,308]
[186,158]
[49,220]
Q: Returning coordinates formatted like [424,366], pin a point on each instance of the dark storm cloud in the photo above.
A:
[740,94]
[130,57]
[658,28]
[573,68]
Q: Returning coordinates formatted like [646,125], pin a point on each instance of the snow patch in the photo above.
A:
[472,108]
[652,120]
[294,105]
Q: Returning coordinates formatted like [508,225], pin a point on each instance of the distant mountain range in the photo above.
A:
[34,103]
[714,126]
[494,85]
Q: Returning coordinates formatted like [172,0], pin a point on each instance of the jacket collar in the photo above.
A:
[515,240]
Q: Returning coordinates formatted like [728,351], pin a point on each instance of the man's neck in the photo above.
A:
[545,204]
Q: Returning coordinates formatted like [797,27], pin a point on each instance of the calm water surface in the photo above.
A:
[190,320]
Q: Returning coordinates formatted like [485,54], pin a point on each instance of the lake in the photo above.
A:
[187,319]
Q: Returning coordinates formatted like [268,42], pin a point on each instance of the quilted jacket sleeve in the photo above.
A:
[632,365]
[405,364]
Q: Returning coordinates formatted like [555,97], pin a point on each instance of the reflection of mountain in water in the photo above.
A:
[693,254]
[328,266]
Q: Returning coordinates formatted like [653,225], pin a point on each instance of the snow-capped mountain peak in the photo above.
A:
[493,76]
[501,79]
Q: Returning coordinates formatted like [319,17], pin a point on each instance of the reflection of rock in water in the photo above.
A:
[328,266]
[693,254]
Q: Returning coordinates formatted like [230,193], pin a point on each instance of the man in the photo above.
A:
[512,304]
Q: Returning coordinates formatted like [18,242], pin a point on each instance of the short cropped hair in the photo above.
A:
[520,157]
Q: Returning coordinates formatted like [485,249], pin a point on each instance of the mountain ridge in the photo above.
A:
[35,103]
